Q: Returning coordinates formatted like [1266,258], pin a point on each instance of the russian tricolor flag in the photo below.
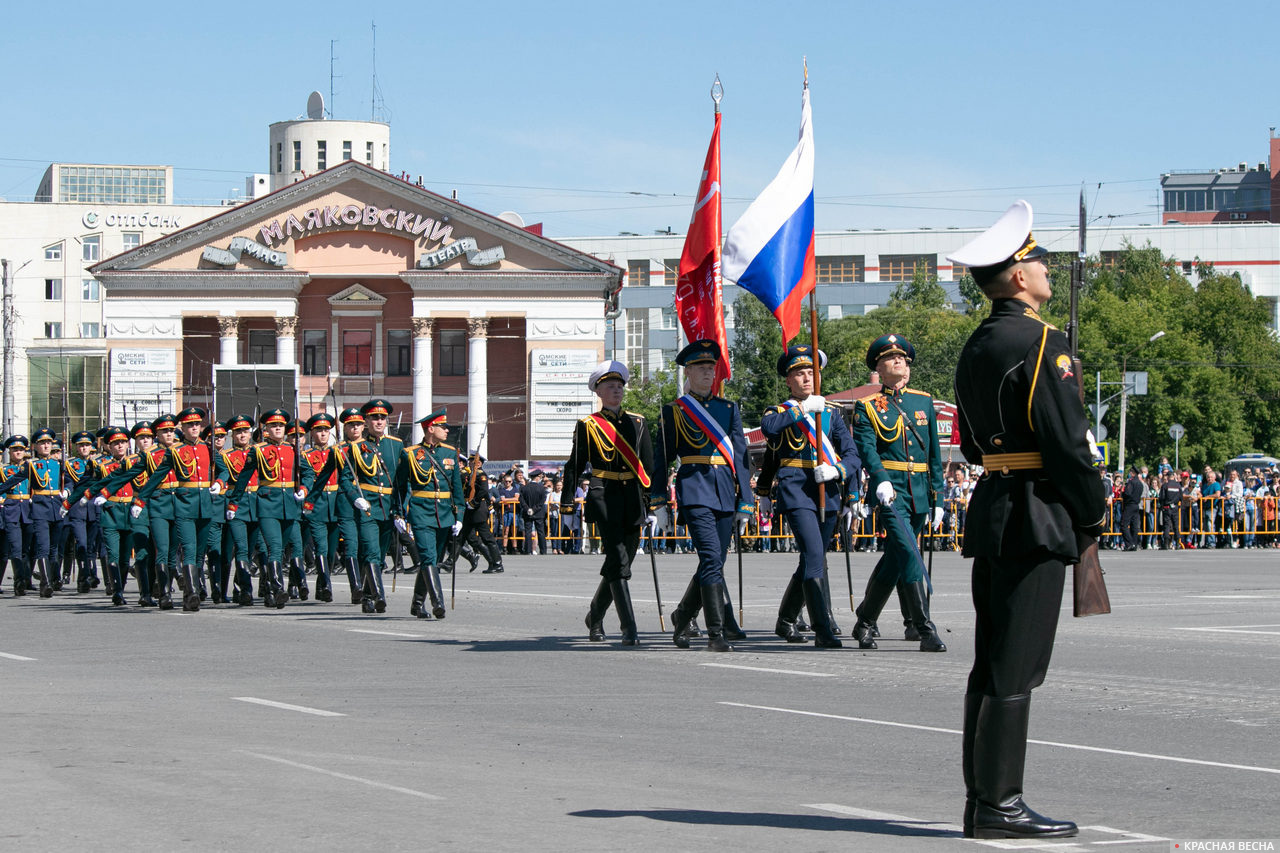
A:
[769,250]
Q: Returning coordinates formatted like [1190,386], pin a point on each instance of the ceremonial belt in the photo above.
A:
[625,450]
[1006,462]
[48,492]
[614,475]
[195,484]
[704,460]
[332,488]
[796,463]
[910,467]
[437,495]
[121,500]
[373,487]
[275,484]
[168,486]
[17,497]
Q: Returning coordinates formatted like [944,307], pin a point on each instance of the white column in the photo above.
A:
[423,331]
[229,338]
[286,350]
[477,384]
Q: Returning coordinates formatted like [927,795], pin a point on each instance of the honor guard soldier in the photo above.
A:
[427,497]
[295,545]
[216,551]
[896,431]
[283,483]
[615,446]
[377,418]
[1021,418]
[144,548]
[476,525]
[200,476]
[116,524]
[241,530]
[82,516]
[17,516]
[159,508]
[367,484]
[804,459]
[319,511]
[43,477]
[702,434]
[348,526]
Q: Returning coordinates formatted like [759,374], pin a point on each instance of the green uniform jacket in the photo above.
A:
[897,437]
[365,475]
[428,486]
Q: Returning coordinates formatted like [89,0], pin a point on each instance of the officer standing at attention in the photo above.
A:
[1020,417]
[615,445]
[703,434]
[896,432]
[804,460]
[428,500]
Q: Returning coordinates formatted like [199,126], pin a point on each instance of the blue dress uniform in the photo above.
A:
[367,485]
[114,520]
[283,483]
[896,432]
[319,511]
[82,515]
[615,446]
[17,518]
[1038,503]
[44,478]
[703,436]
[428,494]
[791,444]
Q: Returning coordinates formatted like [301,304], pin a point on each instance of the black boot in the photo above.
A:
[626,614]
[353,579]
[92,562]
[244,584]
[375,597]
[831,608]
[731,629]
[999,755]
[324,583]
[916,601]
[19,578]
[82,576]
[276,596]
[495,559]
[216,589]
[909,632]
[435,592]
[819,611]
[419,595]
[46,588]
[789,612]
[595,613]
[191,588]
[146,583]
[115,580]
[164,586]
[873,602]
[298,576]
[972,706]
[471,557]
[197,582]
[713,613]
[682,616]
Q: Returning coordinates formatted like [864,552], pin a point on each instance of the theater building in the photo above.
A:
[361,285]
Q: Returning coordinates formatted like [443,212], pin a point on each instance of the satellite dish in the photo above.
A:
[315,105]
[511,216]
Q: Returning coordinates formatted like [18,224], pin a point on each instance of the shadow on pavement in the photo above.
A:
[774,820]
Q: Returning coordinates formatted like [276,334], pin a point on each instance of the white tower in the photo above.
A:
[304,147]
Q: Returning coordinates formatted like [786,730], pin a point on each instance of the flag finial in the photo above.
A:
[717,92]
[806,72]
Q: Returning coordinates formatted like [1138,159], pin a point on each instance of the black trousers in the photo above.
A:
[1129,525]
[1171,533]
[618,543]
[1017,603]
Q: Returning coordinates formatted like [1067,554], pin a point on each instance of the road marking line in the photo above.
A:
[1236,630]
[345,776]
[529,594]
[1132,837]
[14,657]
[385,633]
[1232,597]
[1151,755]
[769,669]
[287,707]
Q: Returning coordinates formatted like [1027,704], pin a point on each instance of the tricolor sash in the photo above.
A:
[704,421]
[810,430]
[606,430]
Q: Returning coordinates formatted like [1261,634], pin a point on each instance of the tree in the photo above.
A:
[757,343]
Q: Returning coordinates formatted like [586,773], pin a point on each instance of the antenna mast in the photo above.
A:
[332,60]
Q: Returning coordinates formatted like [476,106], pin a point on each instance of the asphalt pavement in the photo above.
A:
[502,728]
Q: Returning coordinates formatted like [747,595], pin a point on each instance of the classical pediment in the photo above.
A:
[357,296]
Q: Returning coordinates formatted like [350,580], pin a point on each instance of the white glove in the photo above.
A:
[862,510]
[457,528]
[300,495]
[99,501]
[849,514]
[825,473]
[650,521]
[362,504]
[885,493]
[743,518]
[215,489]
[1093,446]
[937,518]
[813,403]
[231,514]
[402,526]
[135,511]
[84,500]
[62,512]
[64,494]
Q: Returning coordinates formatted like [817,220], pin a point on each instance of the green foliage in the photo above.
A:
[646,397]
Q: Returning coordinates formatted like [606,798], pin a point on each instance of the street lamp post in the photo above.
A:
[1124,392]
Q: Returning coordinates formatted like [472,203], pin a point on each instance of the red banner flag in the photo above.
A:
[698,302]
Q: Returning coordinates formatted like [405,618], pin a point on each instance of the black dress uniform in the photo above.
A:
[615,446]
[477,529]
[1020,417]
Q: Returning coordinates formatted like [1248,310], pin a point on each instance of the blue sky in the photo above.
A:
[594,117]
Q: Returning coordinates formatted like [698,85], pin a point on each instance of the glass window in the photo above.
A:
[346,149]
[279,157]
[322,155]
[838,269]
[53,289]
[670,271]
[53,253]
[638,341]
[357,352]
[399,352]
[90,290]
[132,239]
[92,246]
[67,393]
[368,153]
[453,352]
[53,330]
[297,155]
[262,346]
[315,352]
[638,273]
[903,267]
[669,317]
[90,330]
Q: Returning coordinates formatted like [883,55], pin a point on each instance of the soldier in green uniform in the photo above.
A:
[117,530]
[428,501]
[295,545]
[377,415]
[367,484]
[897,436]
[319,512]
[348,529]
[218,558]
[241,530]
[283,484]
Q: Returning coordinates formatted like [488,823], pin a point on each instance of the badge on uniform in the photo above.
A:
[1063,363]
[922,419]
